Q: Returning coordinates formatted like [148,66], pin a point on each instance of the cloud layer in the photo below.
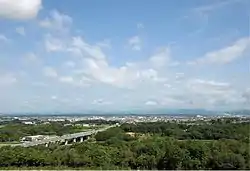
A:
[62,61]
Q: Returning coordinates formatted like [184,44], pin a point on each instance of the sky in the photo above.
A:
[74,56]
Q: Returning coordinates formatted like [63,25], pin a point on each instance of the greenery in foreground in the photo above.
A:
[221,145]
[13,132]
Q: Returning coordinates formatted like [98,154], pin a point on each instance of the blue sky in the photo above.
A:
[73,56]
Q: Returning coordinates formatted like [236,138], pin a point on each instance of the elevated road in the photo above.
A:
[64,138]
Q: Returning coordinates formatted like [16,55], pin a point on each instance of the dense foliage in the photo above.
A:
[115,149]
[214,130]
[13,132]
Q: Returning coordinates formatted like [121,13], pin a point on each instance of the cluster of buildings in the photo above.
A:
[36,138]
[31,120]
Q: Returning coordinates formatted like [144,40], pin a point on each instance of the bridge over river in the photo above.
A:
[80,136]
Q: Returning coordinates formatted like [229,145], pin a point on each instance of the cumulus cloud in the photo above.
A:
[96,66]
[226,54]
[209,93]
[129,75]
[3,38]
[160,58]
[56,21]
[76,46]
[135,43]
[101,71]
[53,44]
[82,47]
[75,81]
[208,87]
[19,9]
[20,30]
[123,77]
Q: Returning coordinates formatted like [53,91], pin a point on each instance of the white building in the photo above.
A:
[28,123]
[32,138]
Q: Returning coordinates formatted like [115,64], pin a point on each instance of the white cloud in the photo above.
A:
[135,43]
[151,103]
[96,66]
[20,30]
[211,94]
[7,79]
[19,9]
[208,87]
[100,70]
[79,46]
[83,82]
[53,44]
[149,75]
[160,58]
[3,38]
[75,81]
[124,76]
[57,21]
[49,72]
[226,54]
[76,46]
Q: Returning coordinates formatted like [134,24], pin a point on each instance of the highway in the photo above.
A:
[64,137]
